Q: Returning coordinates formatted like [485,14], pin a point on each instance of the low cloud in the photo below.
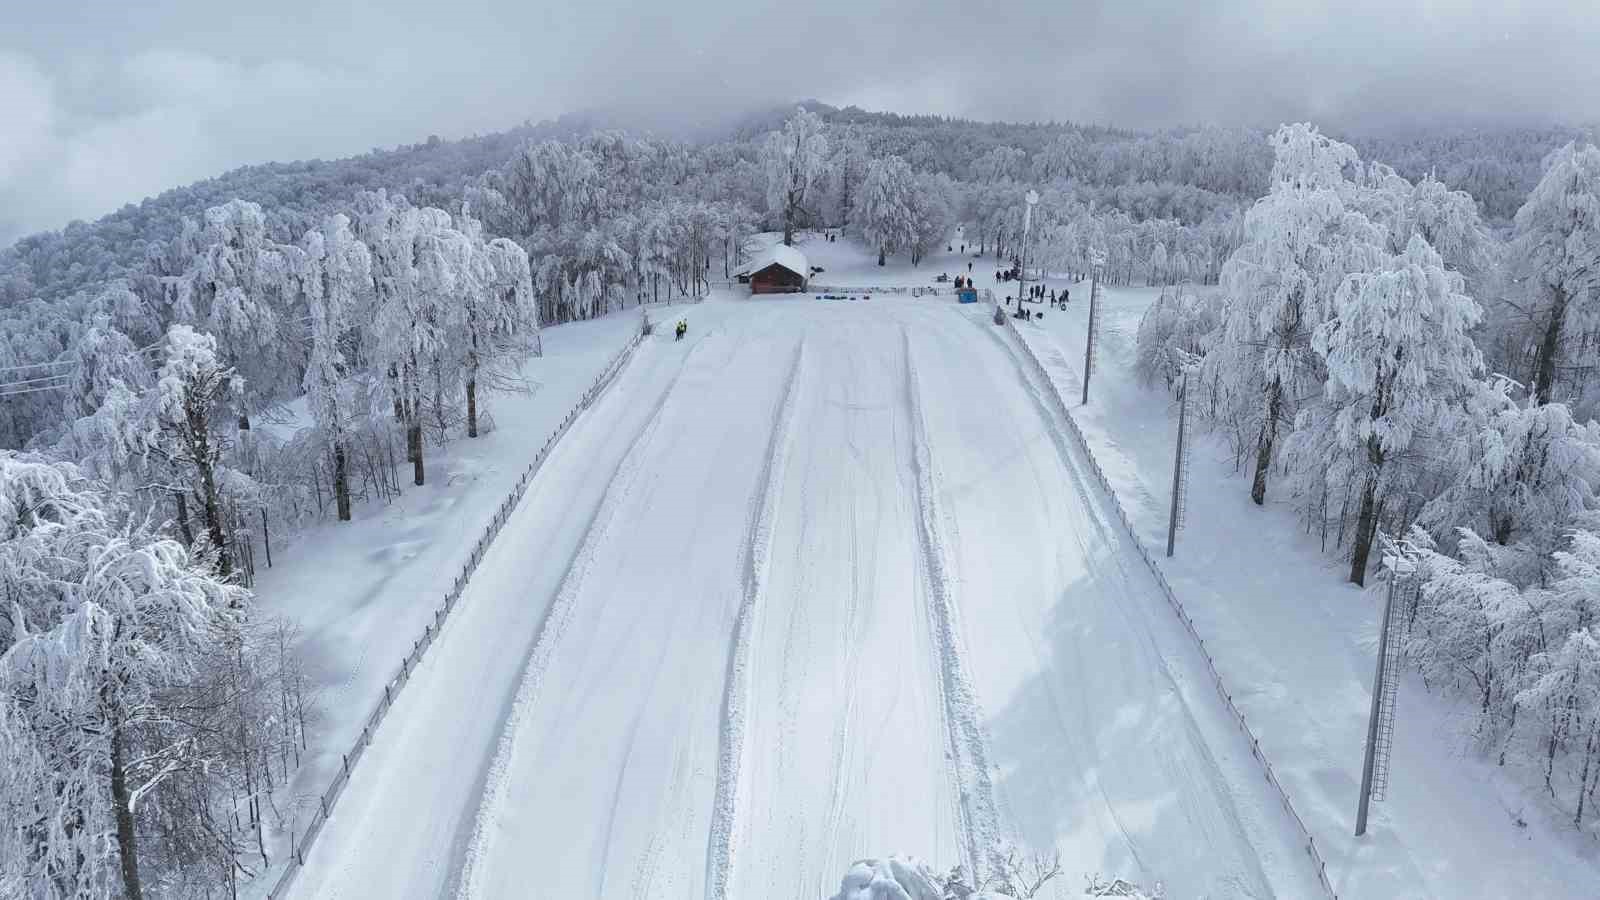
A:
[104,106]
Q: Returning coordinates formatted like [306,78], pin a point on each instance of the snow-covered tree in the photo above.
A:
[1522,475]
[847,171]
[192,389]
[794,160]
[999,164]
[103,617]
[244,290]
[1398,354]
[1557,247]
[339,293]
[1158,266]
[1300,241]
[887,213]
[1065,156]
[1175,332]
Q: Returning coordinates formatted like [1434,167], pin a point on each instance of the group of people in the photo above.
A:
[681,330]
[1024,313]
[1041,294]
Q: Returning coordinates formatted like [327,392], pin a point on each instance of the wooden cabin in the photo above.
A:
[778,270]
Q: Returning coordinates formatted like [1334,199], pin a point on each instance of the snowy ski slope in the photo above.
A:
[819,582]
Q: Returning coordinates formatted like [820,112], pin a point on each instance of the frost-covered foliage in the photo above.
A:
[1398,357]
[1020,877]
[1174,333]
[886,216]
[120,745]
[1557,253]
[1496,167]
[1301,241]
[247,292]
[794,160]
[1526,655]
[1523,475]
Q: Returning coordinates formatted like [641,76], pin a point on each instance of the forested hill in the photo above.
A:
[1497,168]
[295,195]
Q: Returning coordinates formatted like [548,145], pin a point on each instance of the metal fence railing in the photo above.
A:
[301,841]
[1053,395]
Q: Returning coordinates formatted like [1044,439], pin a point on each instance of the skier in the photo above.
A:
[969,265]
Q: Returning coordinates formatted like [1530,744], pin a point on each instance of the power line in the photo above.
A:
[43,365]
[27,381]
[33,390]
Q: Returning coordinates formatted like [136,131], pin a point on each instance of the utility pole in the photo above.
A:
[1032,198]
[1380,723]
[1096,263]
[1180,489]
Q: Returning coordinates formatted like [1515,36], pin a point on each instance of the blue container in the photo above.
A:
[967,295]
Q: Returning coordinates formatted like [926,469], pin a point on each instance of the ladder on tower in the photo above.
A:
[1386,710]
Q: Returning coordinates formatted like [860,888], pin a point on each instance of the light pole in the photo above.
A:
[1097,261]
[1032,198]
[1179,464]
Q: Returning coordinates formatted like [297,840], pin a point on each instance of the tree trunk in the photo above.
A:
[212,512]
[183,518]
[788,224]
[472,407]
[414,450]
[1264,442]
[127,846]
[1545,373]
[341,481]
[1365,522]
[394,382]
[1583,782]
[880,256]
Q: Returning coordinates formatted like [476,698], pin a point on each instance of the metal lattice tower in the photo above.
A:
[1380,724]
[1386,712]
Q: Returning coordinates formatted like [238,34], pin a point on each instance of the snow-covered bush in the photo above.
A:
[1174,333]
[1019,877]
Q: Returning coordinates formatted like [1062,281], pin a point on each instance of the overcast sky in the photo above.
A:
[103,102]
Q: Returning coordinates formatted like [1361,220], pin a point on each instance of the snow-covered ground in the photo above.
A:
[360,592]
[1296,645]
[822,579]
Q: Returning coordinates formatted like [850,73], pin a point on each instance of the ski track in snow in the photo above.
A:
[550,630]
[753,563]
[1227,816]
[963,716]
[773,641]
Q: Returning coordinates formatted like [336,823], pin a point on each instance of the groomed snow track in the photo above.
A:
[820,582]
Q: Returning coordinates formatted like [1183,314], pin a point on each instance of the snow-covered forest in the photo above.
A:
[1399,335]
[1408,373]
